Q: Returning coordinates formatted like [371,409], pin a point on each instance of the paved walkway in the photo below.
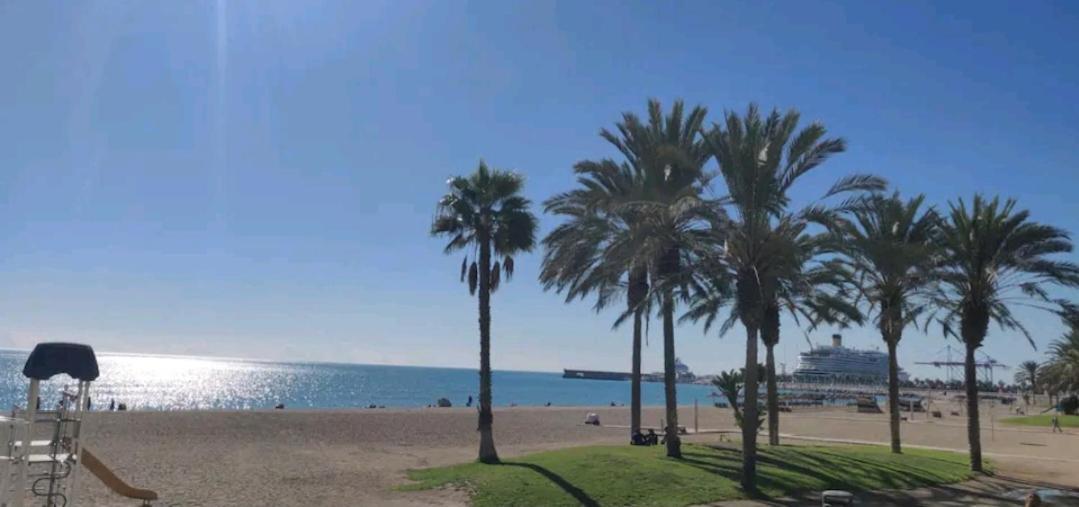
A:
[988,492]
[913,446]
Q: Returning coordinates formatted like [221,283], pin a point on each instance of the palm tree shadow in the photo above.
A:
[577,493]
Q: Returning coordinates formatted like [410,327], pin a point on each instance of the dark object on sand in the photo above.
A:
[279,406]
[642,439]
[868,406]
[444,403]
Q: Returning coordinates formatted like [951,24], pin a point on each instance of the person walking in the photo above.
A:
[1056,424]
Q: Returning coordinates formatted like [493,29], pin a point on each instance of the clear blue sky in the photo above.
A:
[257,178]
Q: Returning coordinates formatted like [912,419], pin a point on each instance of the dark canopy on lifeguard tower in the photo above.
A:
[48,359]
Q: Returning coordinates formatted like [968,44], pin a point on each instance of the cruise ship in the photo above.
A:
[841,364]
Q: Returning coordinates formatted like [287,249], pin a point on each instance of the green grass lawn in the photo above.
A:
[643,476]
[1043,420]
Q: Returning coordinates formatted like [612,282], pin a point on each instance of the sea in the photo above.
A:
[160,382]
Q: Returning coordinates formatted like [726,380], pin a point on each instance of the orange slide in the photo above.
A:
[116,484]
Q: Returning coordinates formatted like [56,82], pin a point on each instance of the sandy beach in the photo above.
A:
[357,457]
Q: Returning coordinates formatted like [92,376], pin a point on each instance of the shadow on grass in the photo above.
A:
[730,467]
[577,493]
[819,469]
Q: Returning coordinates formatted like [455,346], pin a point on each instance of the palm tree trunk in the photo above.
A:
[635,388]
[674,444]
[973,429]
[893,394]
[749,414]
[773,396]
[487,439]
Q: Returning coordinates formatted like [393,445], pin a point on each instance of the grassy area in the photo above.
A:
[1043,420]
[643,476]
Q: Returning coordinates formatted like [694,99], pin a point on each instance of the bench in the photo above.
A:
[836,497]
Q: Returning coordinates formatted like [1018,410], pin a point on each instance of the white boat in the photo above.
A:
[841,364]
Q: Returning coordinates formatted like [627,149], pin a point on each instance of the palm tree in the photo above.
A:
[802,290]
[729,384]
[594,251]
[996,258]
[759,159]
[485,213]
[889,247]
[1061,372]
[646,226]
[1028,374]
[671,214]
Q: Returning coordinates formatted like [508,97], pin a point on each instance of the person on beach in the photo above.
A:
[469,402]
[112,404]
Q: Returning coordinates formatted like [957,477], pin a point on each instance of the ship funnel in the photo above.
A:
[837,340]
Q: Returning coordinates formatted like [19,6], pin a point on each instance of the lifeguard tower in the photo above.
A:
[39,465]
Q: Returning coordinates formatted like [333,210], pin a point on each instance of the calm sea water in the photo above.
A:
[152,382]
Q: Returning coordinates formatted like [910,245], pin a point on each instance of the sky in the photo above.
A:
[257,179]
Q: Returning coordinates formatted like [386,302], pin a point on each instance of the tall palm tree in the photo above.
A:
[808,292]
[486,214]
[594,251]
[631,227]
[760,158]
[669,213]
[996,258]
[1028,374]
[889,247]
[801,290]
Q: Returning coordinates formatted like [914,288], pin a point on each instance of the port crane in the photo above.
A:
[945,360]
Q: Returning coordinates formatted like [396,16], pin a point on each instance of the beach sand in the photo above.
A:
[357,457]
